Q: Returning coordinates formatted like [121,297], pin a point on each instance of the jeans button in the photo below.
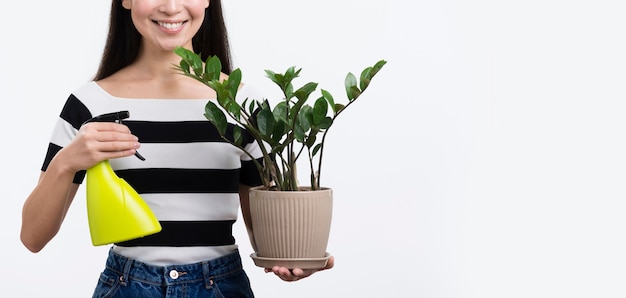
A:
[174,274]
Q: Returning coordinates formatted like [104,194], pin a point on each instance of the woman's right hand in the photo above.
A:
[98,141]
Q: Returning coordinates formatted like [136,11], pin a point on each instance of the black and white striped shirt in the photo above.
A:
[190,178]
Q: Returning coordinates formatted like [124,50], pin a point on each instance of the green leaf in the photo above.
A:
[272,76]
[320,109]
[316,149]
[291,74]
[265,121]
[310,141]
[329,98]
[338,108]
[244,103]
[237,135]
[187,55]
[280,129]
[223,94]
[377,67]
[190,61]
[299,133]
[234,109]
[305,118]
[196,64]
[234,82]
[281,112]
[252,106]
[284,80]
[215,115]
[288,90]
[184,67]
[181,52]
[303,92]
[212,68]
[369,73]
[365,78]
[279,79]
[303,96]
[352,91]
[325,123]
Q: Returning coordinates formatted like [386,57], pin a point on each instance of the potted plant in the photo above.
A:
[290,223]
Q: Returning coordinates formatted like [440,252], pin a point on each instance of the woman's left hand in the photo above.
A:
[297,273]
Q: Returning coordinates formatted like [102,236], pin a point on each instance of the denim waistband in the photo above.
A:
[210,270]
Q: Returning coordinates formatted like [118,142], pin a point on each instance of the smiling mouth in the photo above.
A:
[170,26]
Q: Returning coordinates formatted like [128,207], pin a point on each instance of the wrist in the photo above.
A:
[61,166]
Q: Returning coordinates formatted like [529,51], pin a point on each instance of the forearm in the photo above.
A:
[46,206]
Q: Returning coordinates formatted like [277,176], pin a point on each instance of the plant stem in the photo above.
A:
[314,181]
[321,151]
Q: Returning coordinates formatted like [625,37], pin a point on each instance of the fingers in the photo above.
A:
[114,144]
[110,137]
[98,141]
[291,275]
[330,263]
[297,273]
[287,274]
[107,130]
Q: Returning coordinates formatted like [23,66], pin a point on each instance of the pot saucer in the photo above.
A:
[302,263]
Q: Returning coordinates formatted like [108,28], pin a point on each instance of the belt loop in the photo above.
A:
[126,273]
[206,272]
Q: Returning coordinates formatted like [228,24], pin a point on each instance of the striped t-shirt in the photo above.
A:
[190,177]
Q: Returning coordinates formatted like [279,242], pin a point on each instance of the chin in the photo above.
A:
[170,46]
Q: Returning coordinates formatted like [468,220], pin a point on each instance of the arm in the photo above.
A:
[244,199]
[45,208]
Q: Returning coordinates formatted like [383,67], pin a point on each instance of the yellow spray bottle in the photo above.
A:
[116,212]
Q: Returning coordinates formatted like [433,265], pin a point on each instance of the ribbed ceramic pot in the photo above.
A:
[291,224]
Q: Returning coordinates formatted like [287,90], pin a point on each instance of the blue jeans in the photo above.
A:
[220,278]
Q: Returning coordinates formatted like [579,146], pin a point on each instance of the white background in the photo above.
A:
[486,159]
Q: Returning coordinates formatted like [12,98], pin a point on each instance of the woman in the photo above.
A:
[193,182]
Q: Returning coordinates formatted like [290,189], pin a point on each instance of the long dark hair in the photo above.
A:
[123,40]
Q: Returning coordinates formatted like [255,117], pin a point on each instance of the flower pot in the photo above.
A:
[291,228]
